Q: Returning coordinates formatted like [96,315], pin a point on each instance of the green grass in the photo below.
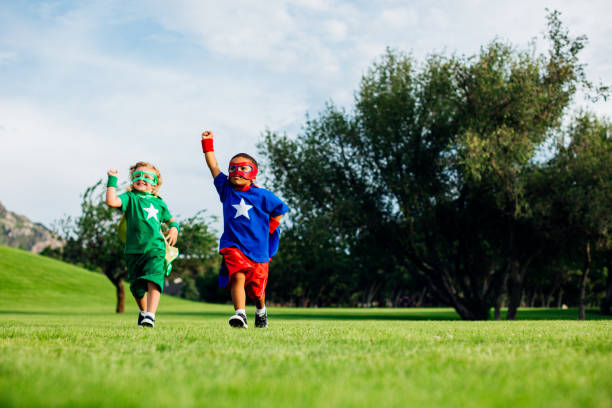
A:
[61,345]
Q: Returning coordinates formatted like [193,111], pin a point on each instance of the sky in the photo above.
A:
[87,86]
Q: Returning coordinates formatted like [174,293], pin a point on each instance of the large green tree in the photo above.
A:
[429,175]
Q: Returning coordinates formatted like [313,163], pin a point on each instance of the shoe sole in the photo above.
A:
[237,322]
[147,323]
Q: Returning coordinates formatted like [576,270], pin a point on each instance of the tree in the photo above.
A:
[582,174]
[518,106]
[92,240]
[199,262]
[429,173]
[606,304]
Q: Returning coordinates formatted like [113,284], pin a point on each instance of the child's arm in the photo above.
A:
[111,189]
[209,153]
[173,231]
[274,223]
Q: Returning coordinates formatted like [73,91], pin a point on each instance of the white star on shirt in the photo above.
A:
[151,212]
[242,209]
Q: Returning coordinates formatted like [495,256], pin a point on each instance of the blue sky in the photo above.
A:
[88,86]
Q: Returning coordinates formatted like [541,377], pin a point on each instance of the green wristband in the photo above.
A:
[175,225]
[112,181]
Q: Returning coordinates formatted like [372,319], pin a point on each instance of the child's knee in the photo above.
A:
[238,278]
[153,286]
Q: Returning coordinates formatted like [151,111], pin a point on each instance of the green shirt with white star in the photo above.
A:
[144,213]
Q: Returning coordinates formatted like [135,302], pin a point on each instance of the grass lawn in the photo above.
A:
[62,345]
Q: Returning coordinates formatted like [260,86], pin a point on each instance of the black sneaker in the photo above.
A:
[140,317]
[238,320]
[148,321]
[261,321]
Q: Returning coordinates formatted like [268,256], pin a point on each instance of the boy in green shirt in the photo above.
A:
[145,246]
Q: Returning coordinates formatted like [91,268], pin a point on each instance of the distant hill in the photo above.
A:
[18,231]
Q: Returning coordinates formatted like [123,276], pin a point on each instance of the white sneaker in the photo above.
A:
[147,321]
[238,320]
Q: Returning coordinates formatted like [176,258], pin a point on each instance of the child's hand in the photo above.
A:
[209,152]
[111,189]
[172,236]
[207,142]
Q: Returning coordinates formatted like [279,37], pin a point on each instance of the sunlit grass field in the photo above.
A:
[62,345]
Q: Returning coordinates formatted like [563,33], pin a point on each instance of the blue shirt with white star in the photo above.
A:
[246,218]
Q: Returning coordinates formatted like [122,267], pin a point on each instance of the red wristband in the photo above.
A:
[273,225]
[207,145]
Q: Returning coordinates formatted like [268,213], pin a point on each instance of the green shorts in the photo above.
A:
[143,268]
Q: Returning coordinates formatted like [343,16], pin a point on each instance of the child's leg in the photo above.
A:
[237,289]
[261,315]
[261,302]
[140,296]
[153,296]
[142,303]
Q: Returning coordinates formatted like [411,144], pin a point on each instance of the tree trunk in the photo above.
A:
[372,292]
[498,307]
[606,305]
[467,304]
[550,296]
[472,310]
[120,296]
[532,298]
[560,298]
[499,295]
[419,301]
[515,291]
[117,281]
[583,281]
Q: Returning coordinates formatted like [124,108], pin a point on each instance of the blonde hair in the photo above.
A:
[155,170]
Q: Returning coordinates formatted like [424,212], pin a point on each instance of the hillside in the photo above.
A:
[33,282]
[18,231]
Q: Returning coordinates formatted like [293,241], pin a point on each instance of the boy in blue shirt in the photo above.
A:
[251,216]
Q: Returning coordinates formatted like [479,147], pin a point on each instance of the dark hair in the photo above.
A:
[246,156]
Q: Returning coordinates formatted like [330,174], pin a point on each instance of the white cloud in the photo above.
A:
[239,29]
[316,5]
[7,57]
[398,18]
[336,29]
[88,86]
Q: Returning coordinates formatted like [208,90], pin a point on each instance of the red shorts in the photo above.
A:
[256,274]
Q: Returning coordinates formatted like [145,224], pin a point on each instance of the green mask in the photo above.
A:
[142,175]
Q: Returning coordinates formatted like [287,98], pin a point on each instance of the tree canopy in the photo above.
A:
[431,180]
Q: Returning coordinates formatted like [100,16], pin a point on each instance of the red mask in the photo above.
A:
[246,170]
